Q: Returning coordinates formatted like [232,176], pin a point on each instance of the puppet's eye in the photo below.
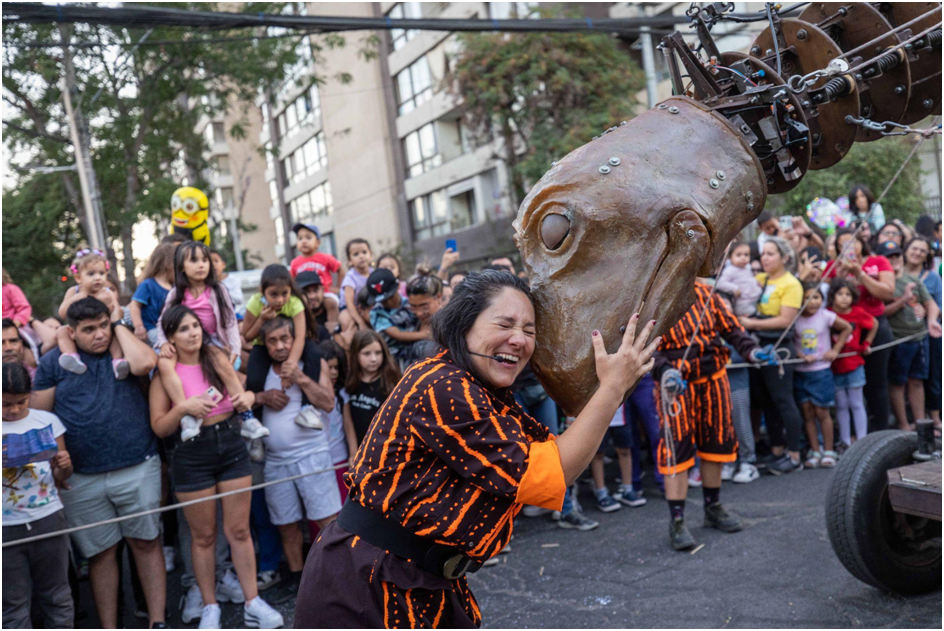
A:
[554,229]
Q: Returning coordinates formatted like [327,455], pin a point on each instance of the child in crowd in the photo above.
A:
[230,282]
[308,240]
[391,316]
[278,296]
[849,372]
[912,314]
[15,305]
[813,383]
[90,271]
[35,463]
[359,269]
[372,376]
[196,287]
[363,305]
[620,435]
[737,279]
[149,298]
[336,360]
[391,262]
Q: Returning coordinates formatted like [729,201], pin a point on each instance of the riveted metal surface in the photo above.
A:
[926,70]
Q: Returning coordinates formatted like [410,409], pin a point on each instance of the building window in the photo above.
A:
[308,159]
[512,10]
[414,86]
[430,215]
[401,10]
[304,110]
[214,133]
[312,204]
[273,192]
[462,208]
[221,165]
[422,151]
[224,197]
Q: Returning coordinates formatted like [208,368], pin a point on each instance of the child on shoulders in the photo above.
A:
[737,279]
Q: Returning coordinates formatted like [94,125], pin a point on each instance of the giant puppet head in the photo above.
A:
[624,224]
[190,208]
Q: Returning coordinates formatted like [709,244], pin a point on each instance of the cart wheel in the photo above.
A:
[892,551]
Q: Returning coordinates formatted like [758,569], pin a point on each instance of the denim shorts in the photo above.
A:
[217,454]
[620,436]
[847,380]
[816,387]
[909,361]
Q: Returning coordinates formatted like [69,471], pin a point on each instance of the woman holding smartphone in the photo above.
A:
[215,461]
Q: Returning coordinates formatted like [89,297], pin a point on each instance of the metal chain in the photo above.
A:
[882,128]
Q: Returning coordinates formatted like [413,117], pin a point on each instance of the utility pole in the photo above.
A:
[648,61]
[91,197]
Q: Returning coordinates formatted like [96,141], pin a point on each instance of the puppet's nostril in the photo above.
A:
[554,229]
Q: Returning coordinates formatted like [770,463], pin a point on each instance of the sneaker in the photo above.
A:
[694,477]
[535,511]
[717,517]
[258,614]
[256,450]
[764,461]
[490,562]
[629,497]
[170,559]
[267,579]
[310,417]
[210,617]
[189,427]
[574,520]
[607,504]
[679,536]
[252,428]
[727,472]
[228,589]
[783,464]
[121,368]
[556,516]
[72,363]
[746,473]
[191,605]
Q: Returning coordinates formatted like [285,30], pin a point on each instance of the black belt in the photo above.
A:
[375,529]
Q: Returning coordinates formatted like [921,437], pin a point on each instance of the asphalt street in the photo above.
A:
[780,571]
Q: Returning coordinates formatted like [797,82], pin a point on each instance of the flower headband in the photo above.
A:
[85,252]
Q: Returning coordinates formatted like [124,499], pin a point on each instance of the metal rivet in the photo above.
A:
[899,89]
[615,161]
[673,110]
[622,123]
[755,50]
[554,164]
[595,137]
[604,169]
[750,195]
[690,234]
[713,183]
[662,106]
[745,129]
[750,205]
[805,103]
[720,175]
[801,34]
[927,104]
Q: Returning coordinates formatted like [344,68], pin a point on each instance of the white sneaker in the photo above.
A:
[309,416]
[170,558]
[253,429]
[258,614]
[535,511]
[228,589]
[694,477]
[727,471]
[191,605]
[190,427]
[210,617]
[746,473]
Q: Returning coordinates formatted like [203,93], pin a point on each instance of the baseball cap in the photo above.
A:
[381,285]
[307,226]
[889,248]
[306,279]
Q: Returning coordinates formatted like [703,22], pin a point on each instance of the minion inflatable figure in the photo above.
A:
[190,208]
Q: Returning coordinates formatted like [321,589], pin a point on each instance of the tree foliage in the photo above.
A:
[873,164]
[541,94]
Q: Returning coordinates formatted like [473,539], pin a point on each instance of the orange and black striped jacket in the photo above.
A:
[454,461]
[708,354]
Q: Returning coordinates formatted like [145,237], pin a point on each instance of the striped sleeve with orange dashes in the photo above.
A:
[708,354]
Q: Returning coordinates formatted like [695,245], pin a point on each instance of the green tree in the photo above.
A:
[873,164]
[142,103]
[541,94]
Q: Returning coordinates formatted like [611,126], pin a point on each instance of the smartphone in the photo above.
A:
[451,245]
[786,223]
[213,395]
[262,299]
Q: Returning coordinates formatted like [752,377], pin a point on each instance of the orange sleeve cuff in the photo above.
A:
[543,481]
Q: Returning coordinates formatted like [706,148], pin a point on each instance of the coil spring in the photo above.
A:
[888,61]
[934,40]
[835,88]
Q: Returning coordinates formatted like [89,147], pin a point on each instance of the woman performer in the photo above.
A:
[448,462]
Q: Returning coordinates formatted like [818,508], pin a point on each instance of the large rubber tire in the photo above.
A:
[862,525]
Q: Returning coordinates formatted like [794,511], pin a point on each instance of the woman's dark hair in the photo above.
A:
[276,275]
[453,275]
[876,238]
[389,369]
[866,250]
[853,193]
[16,379]
[809,285]
[356,241]
[926,225]
[171,320]
[187,251]
[929,259]
[841,283]
[331,350]
[425,283]
[469,299]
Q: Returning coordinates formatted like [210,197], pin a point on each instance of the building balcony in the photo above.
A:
[455,170]
[440,105]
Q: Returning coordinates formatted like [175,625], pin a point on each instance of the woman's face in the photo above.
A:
[890,232]
[770,258]
[916,254]
[505,328]
[861,201]
[189,335]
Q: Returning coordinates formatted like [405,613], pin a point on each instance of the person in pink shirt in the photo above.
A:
[16,308]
